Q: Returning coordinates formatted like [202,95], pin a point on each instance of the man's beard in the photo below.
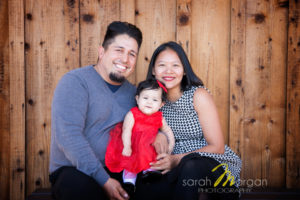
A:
[116,78]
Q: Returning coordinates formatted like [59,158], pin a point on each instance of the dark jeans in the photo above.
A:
[190,179]
[69,183]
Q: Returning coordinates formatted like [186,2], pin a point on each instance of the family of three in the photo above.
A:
[161,140]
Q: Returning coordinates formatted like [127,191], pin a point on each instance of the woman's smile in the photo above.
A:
[169,69]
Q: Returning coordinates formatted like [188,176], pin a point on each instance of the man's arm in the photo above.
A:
[69,110]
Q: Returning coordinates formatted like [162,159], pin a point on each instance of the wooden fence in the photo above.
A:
[247,52]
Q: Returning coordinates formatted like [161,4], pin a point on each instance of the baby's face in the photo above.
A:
[149,101]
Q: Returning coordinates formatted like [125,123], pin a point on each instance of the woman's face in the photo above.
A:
[168,69]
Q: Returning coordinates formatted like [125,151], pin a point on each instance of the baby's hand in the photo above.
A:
[127,151]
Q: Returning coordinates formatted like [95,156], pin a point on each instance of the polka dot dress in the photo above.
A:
[183,120]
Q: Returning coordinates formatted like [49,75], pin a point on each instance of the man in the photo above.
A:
[87,103]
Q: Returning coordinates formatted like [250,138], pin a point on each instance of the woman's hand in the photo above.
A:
[166,162]
[161,143]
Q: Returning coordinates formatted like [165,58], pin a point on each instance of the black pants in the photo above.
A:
[190,179]
[70,184]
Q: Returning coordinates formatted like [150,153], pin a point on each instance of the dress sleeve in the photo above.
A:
[69,110]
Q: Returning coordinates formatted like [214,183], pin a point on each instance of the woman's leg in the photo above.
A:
[195,176]
[194,180]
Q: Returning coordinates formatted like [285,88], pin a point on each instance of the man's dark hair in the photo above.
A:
[149,85]
[190,78]
[117,28]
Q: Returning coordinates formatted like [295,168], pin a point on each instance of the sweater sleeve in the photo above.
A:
[69,110]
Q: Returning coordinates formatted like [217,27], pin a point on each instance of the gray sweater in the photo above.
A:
[84,110]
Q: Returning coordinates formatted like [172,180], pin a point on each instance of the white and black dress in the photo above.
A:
[183,120]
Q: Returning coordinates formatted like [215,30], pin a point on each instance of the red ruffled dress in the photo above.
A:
[143,135]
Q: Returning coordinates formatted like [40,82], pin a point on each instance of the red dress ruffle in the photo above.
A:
[143,135]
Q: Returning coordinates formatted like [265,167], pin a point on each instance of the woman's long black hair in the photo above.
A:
[190,78]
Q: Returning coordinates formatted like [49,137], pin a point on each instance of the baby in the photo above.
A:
[130,146]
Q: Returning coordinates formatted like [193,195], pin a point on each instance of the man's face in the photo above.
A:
[118,61]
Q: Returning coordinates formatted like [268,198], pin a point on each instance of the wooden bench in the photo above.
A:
[41,194]
[258,194]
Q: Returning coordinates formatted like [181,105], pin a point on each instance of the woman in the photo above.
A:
[200,162]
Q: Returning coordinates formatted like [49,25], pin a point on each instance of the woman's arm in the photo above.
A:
[209,120]
[126,133]
[168,131]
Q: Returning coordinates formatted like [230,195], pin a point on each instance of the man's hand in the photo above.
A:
[114,190]
[161,143]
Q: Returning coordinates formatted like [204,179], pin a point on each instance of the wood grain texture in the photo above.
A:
[127,14]
[273,154]
[293,98]
[265,145]
[254,118]
[52,37]
[263,130]
[17,100]
[94,17]
[184,25]
[4,103]
[157,26]
[71,49]
[210,51]
[246,52]
[237,79]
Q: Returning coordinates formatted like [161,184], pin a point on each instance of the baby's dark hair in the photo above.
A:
[151,84]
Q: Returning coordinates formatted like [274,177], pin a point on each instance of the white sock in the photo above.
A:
[148,170]
[129,177]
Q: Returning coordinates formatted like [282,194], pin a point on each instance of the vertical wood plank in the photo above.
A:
[127,13]
[254,118]
[4,103]
[263,126]
[71,38]
[94,17]
[255,96]
[237,79]
[273,154]
[157,26]
[293,98]
[52,38]
[39,28]
[183,25]
[210,51]
[17,99]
